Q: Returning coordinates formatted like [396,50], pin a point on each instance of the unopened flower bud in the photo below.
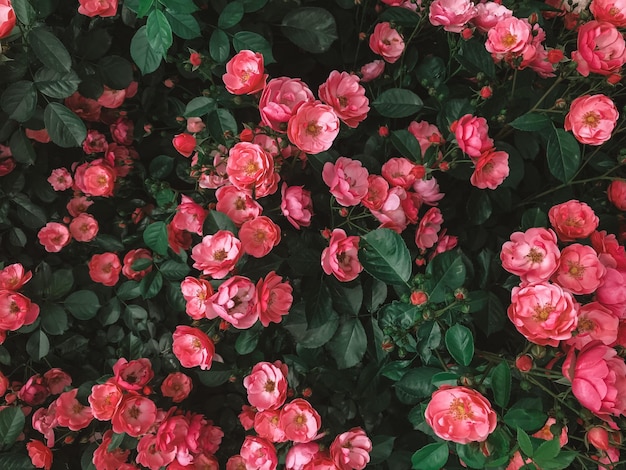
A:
[524,363]
[538,352]
[383,131]
[486,92]
[387,345]
[419,297]
[307,392]
[598,437]
[460,294]
[343,212]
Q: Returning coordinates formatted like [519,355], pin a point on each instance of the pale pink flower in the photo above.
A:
[78,205]
[372,70]
[510,38]
[195,125]
[460,414]
[591,118]
[274,298]
[347,180]
[532,255]
[250,167]
[351,450]
[580,271]
[217,254]
[453,15]
[601,49]
[244,73]
[313,127]
[572,220]
[377,192]
[340,258]
[490,170]
[392,213]
[135,415]
[13,277]
[612,292]
[237,204]
[297,205]
[149,455]
[610,252]
[386,42]
[95,178]
[70,413]
[400,171]
[105,268]
[102,8]
[611,11]
[489,14]
[616,192]
[266,425]
[426,134]
[234,301]
[428,228]
[60,179]
[280,98]
[300,421]
[189,216]
[266,385]
[84,228]
[54,236]
[472,135]
[56,380]
[595,323]
[104,400]
[44,421]
[193,347]
[343,92]
[300,454]
[196,292]
[258,236]
[257,454]
[427,190]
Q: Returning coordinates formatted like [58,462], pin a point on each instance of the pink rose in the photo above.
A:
[189,216]
[591,118]
[195,125]
[104,400]
[235,302]
[135,415]
[250,167]
[44,421]
[453,15]
[598,376]
[133,375]
[544,313]
[428,228]
[532,255]
[612,292]
[267,385]
[150,456]
[616,193]
[460,414]
[510,38]
[297,205]
[386,42]
[313,127]
[109,460]
[60,179]
[258,236]
[95,142]
[300,454]
[280,98]
[610,252]
[489,14]
[86,108]
[78,205]
[340,258]
[34,392]
[351,450]
[101,8]
[601,49]
[244,73]
[237,204]
[193,347]
[54,236]
[427,191]
[595,323]
[347,97]
[347,180]
[95,178]
[217,254]
[274,298]
[131,258]
[256,453]
[490,170]
[426,134]
[196,292]
[472,135]
[392,214]
[7,18]
[184,143]
[40,455]
[84,228]
[70,413]
[299,421]
[572,220]
[372,70]
[611,11]
[400,171]
[377,192]
[13,277]
[105,268]
[266,426]
[122,131]
[580,271]
[111,99]
[176,386]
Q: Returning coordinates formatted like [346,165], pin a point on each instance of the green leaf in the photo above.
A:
[199,106]
[115,72]
[415,385]
[447,272]
[219,46]
[531,122]
[384,255]
[471,454]
[547,450]
[221,123]
[174,271]
[216,220]
[32,216]
[431,72]
[460,344]
[22,148]
[492,318]
[155,237]
[66,129]
[430,457]
[144,7]
[315,333]
[349,343]
[398,314]
[50,50]
[184,25]
[5,356]
[82,304]
[524,442]
[400,16]
[251,6]
[533,217]
[527,419]
[180,6]
[478,207]
[151,284]
[159,32]
[219,374]
[53,319]
[397,103]
[110,313]
[146,58]
[501,384]
[161,166]
[12,422]
[56,84]
[310,28]
[128,290]
[24,11]
[347,299]
[19,100]
[11,461]
[38,345]
[395,370]
[253,42]
[248,340]
[475,59]
[382,446]
[116,440]
[563,153]
[374,294]
[406,144]
[231,15]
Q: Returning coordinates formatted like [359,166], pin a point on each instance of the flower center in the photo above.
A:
[509,39]
[575,269]
[542,312]
[220,255]
[313,129]
[300,420]
[585,324]
[460,410]
[270,386]
[343,101]
[535,256]
[245,76]
[240,204]
[591,119]
[134,412]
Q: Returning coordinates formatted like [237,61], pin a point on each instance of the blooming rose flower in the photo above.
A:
[16,310]
[78,205]
[489,14]
[13,277]
[217,254]
[426,134]
[122,131]
[386,42]
[131,258]
[427,190]
[109,460]
[297,205]
[40,455]
[60,179]
[598,376]
[274,298]
[176,386]
[95,178]
[280,98]
[196,292]
[392,213]
[601,49]
[34,392]
[56,380]
[300,454]
[244,73]
[372,70]
[313,127]
[179,433]
[235,302]
[610,252]
[612,292]
[377,192]
[616,193]
[84,228]
[101,8]
[544,313]
[347,180]
[572,220]
[300,421]
[460,414]
[340,258]
[429,226]
[133,375]
[111,99]
[257,453]
[532,255]
[135,415]
[44,421]
[95,142]
[611,11]
[258,236]
[250,167]
[580,271]
[7,18]
[453,15]
[472,135]
[351,450]
[72,414]
[86,108]
[595,323]
[343,92]
[189,216]
[400,171]
[490,170]
[149,455]
[266,425]
[184,143]
[105,268]
[267,385]
[193,347]
[237,204]
[54,236]
[195,125]
[591,118]
[510,38]
[104,400]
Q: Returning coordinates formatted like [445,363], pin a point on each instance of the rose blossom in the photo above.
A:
[347,180]
[460,414]
[297,205]
[72,414]
[86,108]
[616,193]
[196,292]
[95,178]
[372,70]
[40,455]
[135,415]
[132,375]
[351,450]
[377,192]
[149,455]
[56,380]
[386,42]
[131,258]
[313,127]
[532,255]
[189,215]
[54,236]
[104,400]
[217,254]
[176,386]
[489,14]
[340,257]
[103,459]
[78,205]
[598,376]
[595,323]
[491,169]
[300,421]
[235,302]
[300,454]
[13,277]
[400,171]
[7,18]
[392,213]
[184,143]
[34,392]
[101,8]
[193,347]
[237,204]
[572,220]
[580,271]
[16,310]
[472,135]
[60,179]
[256,453]
[44,421]
[343,92]
[610,252]
[612,292]
[195,125]
[544,313]
[250,167]
[451,14]
[266,385]
[611,11]
[105,268]
[244,73]
[280,98]
[258,236]
[427,191]
[591,118]
[429,226]
[84,228]
[274,298]
[111,98]
[601,49]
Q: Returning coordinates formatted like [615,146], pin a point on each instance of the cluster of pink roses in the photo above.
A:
[16,310]
[275,422]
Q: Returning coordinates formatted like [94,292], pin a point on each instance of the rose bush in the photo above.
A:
[312,235]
